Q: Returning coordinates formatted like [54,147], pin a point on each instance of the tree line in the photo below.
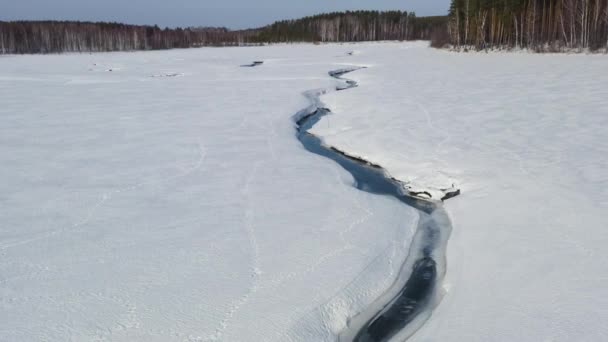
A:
[352,26]
[30,37]
[23,37]
[542,25]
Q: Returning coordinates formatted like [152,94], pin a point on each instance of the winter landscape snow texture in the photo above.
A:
[163,196]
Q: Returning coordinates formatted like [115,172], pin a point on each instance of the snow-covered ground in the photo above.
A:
[144,208]
[169,200]
[524,137]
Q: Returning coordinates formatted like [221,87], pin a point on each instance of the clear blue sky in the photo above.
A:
[230,13]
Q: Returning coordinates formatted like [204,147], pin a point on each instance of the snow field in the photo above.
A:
[139,208]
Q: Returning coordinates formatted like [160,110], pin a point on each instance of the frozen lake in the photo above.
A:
[164,196]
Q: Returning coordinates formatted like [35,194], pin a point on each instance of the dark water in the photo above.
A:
[368,178]
[253,64]
[420,287]
[406,306]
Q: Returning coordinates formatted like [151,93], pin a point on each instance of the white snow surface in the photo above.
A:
[524,137]
[141,208]
[138,206]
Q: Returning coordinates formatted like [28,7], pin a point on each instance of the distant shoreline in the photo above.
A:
[48,37]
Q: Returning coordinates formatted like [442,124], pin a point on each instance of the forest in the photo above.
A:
[353,26]
[540,25]
[31,37]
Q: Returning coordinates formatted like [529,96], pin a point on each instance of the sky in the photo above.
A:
[235,14]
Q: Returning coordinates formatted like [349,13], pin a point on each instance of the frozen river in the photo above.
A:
[163,196]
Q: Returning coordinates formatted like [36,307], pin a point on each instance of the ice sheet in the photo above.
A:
[142,208]
[139,208]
